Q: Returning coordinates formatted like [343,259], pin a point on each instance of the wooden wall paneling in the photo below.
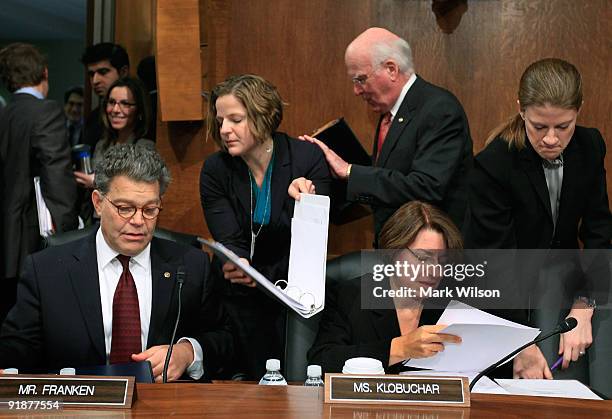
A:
[299,46]
[482,60]
[178,59]
[134,27]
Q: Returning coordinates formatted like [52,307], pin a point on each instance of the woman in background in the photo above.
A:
[421,233]
[125,121]
[248,191]
[540,183]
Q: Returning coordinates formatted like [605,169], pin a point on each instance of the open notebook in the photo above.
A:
[304,289]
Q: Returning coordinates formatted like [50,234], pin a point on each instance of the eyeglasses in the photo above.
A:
[430,257]
[124,105]
[126,212]
[362,79]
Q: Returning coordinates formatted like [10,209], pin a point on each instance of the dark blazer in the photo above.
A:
[32,143]
[426,156]
[226,200]
[93,129]
[57,321]
[348,331]
[509,203]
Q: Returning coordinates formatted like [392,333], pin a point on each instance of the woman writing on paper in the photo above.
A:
[540,183]
[248,191]
[420,234]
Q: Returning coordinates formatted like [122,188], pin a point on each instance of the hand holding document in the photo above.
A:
[305,287]
[488,336]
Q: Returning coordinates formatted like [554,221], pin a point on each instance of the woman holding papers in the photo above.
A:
[247,191]
[540,183]
[421,233]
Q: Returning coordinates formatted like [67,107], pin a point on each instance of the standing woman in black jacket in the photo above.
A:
[248,191]
[540,183]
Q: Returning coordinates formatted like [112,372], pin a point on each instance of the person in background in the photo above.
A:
[110,297]
[540,183]
[146,73]
[32,144]
[248,190]
[420,232]
[73,109]
[125,121]
[106,63]
[422,148]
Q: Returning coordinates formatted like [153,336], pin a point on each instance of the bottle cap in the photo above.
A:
[11,371]
[67,371]
[363,366]
[313,371]
[273,365]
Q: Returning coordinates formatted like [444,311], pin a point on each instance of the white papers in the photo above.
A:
[305,290]
[572,389]
[225,254]
[45,222]
[485,340]
[308,253]
[484,386]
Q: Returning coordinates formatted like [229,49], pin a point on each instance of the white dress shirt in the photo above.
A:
[402,95]
[109,272]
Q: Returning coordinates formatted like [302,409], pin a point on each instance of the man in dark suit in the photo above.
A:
[106,63]
[73,109]
[32,143]
[423,147]
[112,297]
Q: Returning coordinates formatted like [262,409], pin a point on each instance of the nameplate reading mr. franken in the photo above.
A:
[397,389]
[71,391]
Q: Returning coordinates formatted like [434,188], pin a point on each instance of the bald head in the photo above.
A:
[379,45]
[380,63]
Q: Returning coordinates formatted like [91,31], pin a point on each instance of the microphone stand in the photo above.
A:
[180,279]
[565,326]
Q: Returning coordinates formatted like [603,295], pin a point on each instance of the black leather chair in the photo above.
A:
[301,332]
[68,236]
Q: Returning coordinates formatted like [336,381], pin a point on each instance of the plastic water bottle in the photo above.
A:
[313,372]
[273,377]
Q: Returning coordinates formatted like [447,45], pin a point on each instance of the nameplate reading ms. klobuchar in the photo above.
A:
[397,389]
[69,391]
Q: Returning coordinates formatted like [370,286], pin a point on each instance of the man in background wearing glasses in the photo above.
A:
[111,297]
[422,147]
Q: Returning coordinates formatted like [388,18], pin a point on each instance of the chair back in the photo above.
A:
[300,333]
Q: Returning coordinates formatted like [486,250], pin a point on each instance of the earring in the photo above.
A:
[269,147]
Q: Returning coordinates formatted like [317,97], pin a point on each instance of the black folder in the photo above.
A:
[339,136]
[140,370]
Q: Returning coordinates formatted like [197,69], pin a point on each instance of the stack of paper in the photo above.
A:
[485,340]
[45,222]
[308,254]
[305,290]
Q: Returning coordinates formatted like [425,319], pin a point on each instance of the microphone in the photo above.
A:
[180,279]
[564,326]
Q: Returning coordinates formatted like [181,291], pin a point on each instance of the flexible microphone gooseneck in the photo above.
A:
[564,326]
[180,279]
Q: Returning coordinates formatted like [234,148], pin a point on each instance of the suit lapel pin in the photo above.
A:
[400,120]
[166,275]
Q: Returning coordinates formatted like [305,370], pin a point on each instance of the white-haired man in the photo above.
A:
[422,148]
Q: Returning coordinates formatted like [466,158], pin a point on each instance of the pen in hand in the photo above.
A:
[556,364]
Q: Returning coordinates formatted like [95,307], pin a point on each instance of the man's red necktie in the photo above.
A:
[126,317]
[385,123]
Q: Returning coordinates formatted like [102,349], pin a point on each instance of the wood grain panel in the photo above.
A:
[134,26]
[178,59]
[299,46]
